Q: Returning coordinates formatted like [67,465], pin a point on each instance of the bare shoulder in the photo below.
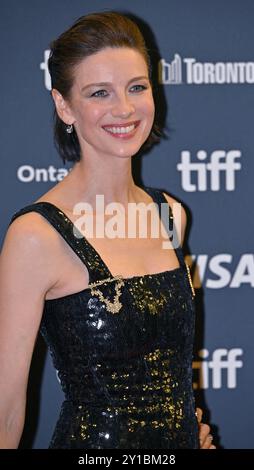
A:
[172,202]
[32,231]
[29,245]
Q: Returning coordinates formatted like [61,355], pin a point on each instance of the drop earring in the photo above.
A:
[69,128]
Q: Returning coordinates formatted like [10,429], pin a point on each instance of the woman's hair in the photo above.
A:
[89,35]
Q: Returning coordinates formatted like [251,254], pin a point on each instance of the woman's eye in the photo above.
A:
[137,88]
[100,94]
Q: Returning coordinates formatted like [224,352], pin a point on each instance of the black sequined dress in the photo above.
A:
[123,352]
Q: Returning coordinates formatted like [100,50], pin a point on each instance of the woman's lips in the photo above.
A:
[122,131]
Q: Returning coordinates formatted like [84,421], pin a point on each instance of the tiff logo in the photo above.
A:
[220,162]
[224,364]
[170,73]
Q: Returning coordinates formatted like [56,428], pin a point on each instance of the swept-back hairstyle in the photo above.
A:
[89,35]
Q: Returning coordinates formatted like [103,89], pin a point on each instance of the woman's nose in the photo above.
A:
[123,107]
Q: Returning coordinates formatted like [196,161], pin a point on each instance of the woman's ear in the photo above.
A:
[62,107]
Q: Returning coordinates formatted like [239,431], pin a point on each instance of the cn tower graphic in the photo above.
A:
[170,73]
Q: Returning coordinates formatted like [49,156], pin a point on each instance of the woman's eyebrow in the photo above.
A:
[100,84]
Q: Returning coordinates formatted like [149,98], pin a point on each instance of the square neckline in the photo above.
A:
[168,272]
[98,255]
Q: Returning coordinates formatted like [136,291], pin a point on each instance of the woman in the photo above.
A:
[116,313]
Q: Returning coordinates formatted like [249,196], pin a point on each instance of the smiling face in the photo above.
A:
[111,104]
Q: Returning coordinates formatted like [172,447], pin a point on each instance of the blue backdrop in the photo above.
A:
[206,81]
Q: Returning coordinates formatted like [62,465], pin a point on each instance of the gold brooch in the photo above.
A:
[112,307]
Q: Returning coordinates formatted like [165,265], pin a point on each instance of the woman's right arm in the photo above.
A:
[25,276]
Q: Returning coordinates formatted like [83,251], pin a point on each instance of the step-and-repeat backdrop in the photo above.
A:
[204,68]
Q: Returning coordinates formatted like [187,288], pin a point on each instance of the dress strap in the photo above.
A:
[84,250]
[159,198]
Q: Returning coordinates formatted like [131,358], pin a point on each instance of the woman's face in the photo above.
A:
[111,102]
